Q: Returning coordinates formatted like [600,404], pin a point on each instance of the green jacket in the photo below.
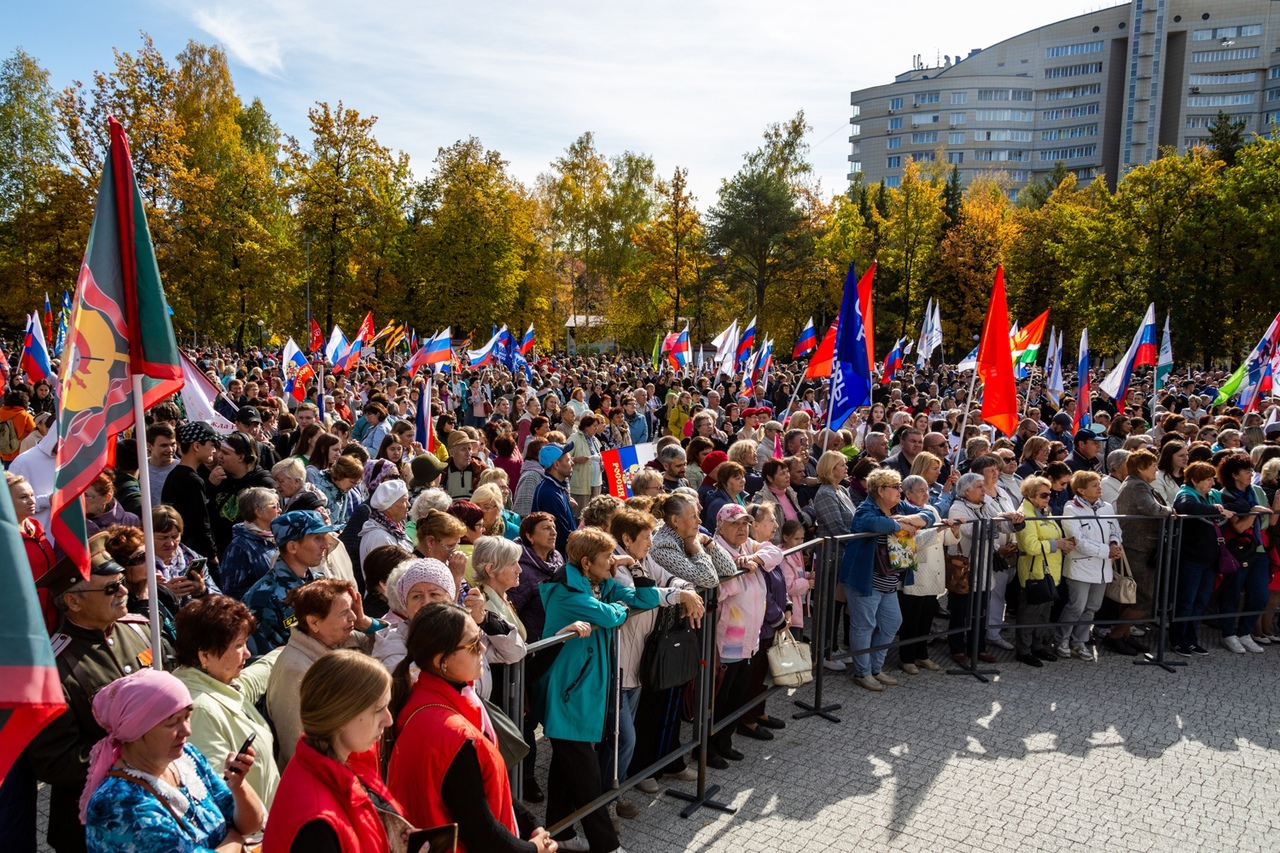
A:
[1038,546]
[572,696]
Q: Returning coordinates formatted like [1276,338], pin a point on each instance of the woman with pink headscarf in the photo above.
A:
[148,789]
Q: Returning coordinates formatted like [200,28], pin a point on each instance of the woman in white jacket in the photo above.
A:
[1089,569]
[918,599]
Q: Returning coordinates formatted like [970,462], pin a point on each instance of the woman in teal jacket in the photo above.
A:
[572,697]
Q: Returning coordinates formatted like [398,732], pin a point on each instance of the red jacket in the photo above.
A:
[317,787]
[426,746]
[41,558]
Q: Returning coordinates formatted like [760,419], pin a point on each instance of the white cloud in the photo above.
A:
[691,82]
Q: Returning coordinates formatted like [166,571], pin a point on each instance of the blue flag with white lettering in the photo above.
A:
[850,375]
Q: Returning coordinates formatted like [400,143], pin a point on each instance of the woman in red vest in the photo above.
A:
[330,796]
[445,765]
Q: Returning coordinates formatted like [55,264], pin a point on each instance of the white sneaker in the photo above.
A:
[1063,650]
[1250,645]
[1262,639]
[833,665]
[1000,643]
[1233,644]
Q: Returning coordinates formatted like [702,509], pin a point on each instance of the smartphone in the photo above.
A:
[438,839]
[248,742]
[195,571]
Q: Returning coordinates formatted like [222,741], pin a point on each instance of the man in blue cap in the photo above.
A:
[302,537]
[552,494]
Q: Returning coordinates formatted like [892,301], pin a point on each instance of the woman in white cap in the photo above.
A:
[388,509]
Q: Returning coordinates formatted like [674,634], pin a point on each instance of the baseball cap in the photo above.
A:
[293,525]
[248,415]
[551,454]
[1062,419]
[1085,435]
[730,512]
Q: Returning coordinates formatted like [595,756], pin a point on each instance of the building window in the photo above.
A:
[1076,153]
[1224,79]
[1192,141]
[893,182]
[895,103]
[1274,74]
[1072,92]
[1070,112]
[918,119]
[1227,32]
[1220,100]
[959,98]
[1006,95]
[895,142]
[928,98]
[1021,175]
[1000,156]
[1074,49]
[895,123]
[923,157]
[1069,132]
[1225,55]
[1078,70]
[1273,95]
[1087,174]
[955,158]
[957,118]
[1197,122]
[894,162]
[924,138]
[1002,136]
[956,137]
[1005,115]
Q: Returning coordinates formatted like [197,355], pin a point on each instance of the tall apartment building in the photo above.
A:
[1101,93]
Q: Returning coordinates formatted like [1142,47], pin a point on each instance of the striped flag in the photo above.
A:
[30,691]
[806,342]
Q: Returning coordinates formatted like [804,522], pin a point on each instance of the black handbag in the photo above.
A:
[672,653]
[1041,590]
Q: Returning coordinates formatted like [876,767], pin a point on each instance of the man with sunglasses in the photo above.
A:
[97,641]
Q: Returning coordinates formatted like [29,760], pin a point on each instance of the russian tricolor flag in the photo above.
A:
[484,355]
[1083,417]
[680,349]
[437,350]
[621,464]
[807,342]
[35,353]
[297,371]
[1142,352]
[745,343]
[526,345]
[892,362]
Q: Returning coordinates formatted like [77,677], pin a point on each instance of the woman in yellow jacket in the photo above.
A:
[678,406]
[1041,544]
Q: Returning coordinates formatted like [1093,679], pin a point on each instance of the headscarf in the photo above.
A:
[127,709]
[387,493]
[376,471]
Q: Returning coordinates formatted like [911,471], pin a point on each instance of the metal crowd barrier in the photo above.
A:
[828,552]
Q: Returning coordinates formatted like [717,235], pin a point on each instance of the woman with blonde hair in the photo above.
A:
[495,564]
[331,794]
[498,521]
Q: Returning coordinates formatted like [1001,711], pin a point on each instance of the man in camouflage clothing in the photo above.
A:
[97,641]
[303,540]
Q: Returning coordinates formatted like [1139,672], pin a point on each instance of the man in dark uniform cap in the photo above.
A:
[97,641]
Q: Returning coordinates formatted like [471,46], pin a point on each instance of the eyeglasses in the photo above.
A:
[1043,495]
[477,647]
[109,590]
[135,560]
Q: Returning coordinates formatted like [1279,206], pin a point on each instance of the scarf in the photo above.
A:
[395,528]
[127,709]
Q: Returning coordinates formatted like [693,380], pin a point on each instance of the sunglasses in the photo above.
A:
[1043,495]
[135,560]
[477,647]
[109,590]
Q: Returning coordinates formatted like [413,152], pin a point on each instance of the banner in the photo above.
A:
[620,465]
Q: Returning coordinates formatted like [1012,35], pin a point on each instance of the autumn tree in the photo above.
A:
[908,239]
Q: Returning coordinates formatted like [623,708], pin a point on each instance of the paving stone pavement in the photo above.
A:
[1076,755]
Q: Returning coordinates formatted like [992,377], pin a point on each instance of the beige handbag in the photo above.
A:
[790,661]
[1122,589]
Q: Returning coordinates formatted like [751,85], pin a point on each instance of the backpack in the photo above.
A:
[10,444]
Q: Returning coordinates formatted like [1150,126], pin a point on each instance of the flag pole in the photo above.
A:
[148,528]
[964,418]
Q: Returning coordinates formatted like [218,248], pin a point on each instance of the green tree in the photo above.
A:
[1226,136]
[909,236]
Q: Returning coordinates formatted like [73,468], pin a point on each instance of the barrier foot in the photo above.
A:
[698,802]
[824,711]
[1159,660]
[980,674]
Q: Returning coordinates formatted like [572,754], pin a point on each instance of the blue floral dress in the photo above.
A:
[124,817]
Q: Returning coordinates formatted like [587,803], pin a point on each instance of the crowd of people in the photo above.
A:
[341,596]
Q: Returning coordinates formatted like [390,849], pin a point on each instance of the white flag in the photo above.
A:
[198,394]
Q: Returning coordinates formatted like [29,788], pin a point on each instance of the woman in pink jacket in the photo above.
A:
[740,616]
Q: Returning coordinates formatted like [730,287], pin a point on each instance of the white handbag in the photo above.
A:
[790,661]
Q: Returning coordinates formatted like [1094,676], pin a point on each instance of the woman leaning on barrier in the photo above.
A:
[1041,544]
[973,505]
[918,598]
[1099,542]
[870,578]
[1244,590]
[1141,530]
[1198,557]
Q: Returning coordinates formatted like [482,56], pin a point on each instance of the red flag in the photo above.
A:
[820,364]
[995,363]
[317,338]
[868,319]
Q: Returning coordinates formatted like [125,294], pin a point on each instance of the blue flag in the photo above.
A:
[850,375]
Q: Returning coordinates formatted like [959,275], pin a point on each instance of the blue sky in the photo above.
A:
[690,83]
